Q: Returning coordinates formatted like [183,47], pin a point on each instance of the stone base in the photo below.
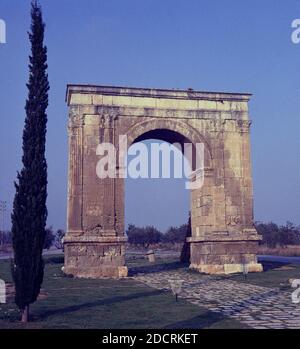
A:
[227,268]
[95,257]
[225,252]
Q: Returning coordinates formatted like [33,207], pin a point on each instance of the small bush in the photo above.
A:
[176,234]
[143,236]
[49,238]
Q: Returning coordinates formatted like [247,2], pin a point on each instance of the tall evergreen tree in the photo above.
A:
[29,209]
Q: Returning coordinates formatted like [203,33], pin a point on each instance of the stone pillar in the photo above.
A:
[75,126]
[224,239]
[94,245]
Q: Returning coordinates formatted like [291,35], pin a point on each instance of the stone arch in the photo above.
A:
[223,237]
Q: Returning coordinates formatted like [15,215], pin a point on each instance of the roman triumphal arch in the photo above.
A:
[223,239]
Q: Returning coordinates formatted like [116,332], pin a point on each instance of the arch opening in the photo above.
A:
[158,202]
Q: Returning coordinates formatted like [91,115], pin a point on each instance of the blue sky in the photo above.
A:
[233,45]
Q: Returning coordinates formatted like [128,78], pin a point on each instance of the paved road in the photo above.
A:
[261,258]
[281,259]
[160,253]
[163,253]
[45,253]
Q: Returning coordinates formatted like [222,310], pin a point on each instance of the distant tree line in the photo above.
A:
[52,238]
[5,238]
[274,235]
[145,236]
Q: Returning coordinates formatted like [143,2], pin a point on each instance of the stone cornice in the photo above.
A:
[155,93]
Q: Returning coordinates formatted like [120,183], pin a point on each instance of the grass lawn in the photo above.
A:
[275,275]
[85,303]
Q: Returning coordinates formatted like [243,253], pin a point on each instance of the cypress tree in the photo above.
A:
[29,208]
